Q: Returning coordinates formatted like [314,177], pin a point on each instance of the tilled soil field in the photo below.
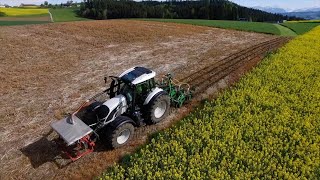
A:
[48,70]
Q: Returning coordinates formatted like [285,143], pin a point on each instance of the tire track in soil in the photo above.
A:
[225,71]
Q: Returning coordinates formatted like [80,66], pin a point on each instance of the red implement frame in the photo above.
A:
[83,147]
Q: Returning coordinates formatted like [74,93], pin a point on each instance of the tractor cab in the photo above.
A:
[135,84]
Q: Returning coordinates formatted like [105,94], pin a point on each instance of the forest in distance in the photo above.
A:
[201,9]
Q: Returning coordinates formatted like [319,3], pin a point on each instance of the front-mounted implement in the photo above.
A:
[133,99]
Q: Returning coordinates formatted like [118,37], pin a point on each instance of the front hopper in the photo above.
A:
[75,137]
[71,129]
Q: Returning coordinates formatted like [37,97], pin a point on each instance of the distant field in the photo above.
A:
[301,27]
[285,29]
[30,7]
[65,14]
[14,23]
[267,28]
[22,16]
[24,11]
[303,21]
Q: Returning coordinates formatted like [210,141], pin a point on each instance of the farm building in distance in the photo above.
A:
[4,6]
[27,5]
[68,4]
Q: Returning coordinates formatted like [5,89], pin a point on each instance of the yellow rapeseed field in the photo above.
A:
[266,127]
[23,11]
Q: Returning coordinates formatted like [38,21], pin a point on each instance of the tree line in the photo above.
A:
[199,9]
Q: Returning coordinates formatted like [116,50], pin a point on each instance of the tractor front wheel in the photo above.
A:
[158,109]
[120,135]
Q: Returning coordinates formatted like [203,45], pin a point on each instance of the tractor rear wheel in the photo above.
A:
[158,109]
[119,136]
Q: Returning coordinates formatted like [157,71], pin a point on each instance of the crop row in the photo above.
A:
[267,126]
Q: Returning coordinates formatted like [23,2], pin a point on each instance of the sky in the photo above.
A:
[18,2]
[285,4]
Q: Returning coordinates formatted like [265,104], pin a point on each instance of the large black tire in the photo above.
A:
[118,136]
[158,109]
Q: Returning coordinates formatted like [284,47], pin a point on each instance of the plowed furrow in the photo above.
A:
[218,70]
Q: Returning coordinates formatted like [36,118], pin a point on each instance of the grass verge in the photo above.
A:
[267,28]
[266,127]
[15,23]
[284,31]
[65,14]
[301,27]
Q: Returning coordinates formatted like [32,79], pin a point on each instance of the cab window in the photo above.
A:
[143,88]
[127,91]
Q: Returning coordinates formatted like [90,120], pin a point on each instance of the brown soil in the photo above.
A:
[48,70]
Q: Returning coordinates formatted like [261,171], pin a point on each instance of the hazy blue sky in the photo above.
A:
[287,4]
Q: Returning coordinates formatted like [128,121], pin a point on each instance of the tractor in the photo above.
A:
[133,99]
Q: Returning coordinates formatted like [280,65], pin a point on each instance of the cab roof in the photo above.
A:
[137,75]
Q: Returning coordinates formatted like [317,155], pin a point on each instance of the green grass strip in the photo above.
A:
[284,31]
[301,27]
[65,15]
[266,127]
[15,23]
[259,27]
